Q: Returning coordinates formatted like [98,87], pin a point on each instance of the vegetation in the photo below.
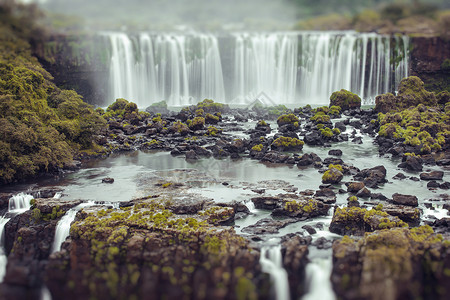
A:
[42,127]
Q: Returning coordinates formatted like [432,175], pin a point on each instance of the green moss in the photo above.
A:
[320,117]
[288,119]
[345,100]
[258,148]
[288,143]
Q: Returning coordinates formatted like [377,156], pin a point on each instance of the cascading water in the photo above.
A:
[3,257]
[17,204]
[63,227]
[318,273]
[271,263]
[238,68]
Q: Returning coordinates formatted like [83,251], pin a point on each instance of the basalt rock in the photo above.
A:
[372,177]
[412,163]
[295,259]
[433,175]
[408,200]
[392,264]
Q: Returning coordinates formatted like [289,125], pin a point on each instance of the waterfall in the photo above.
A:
[318,283]
[63,227]
[238,68]
[3,257]
[17,204]
[271,263]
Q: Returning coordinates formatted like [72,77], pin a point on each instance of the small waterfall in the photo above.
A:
[238,68]
[19,203]
[3,257]
[63,227]
[250,205]
[271,263]
[318,273]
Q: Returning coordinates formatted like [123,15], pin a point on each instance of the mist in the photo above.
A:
[162,14]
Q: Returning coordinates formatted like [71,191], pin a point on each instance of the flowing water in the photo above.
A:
[241,67]
[318,285]
[271,263]
[63,227]
[17,204]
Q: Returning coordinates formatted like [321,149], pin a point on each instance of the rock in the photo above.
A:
[303,208]
[433,185]
[269,203]
[357,140]
[445,185]
[322,243]
[407,214]
[332,176]
[400,176]
[267,226]
[191,155]
[408,200]
[354,187]
[363,193]
[108,180]
[309,229]
[345,99]
[433,175]
[313,138]
[335,152]
[372,177]
[295,260]
[390,264]
[412,163]
[357,221]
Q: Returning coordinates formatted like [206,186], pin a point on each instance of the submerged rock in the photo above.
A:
[433,175]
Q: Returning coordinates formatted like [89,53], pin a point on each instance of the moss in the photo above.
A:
[261,123]
[180,127]
[210,106]
[197,123]
[320,117]
[213,131]
[288,119]
[287,143]
[36,214]
[352,198]
[345,100]
[326,132]
[258,148]
[161,104]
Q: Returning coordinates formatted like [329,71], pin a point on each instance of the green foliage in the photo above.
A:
[41,126]
[197,123]
[320,117]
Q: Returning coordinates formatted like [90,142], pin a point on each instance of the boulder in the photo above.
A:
[433,175]
[408,200]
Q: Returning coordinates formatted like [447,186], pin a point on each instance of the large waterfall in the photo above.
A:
[238,68]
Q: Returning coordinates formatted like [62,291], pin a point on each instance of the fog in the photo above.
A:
[169,13]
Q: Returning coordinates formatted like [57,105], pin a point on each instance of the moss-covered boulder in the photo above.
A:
[145,249]
[345,100]
[285,143]
[411,92]
[288,119]
[333,175]
[398,263]
[357,221]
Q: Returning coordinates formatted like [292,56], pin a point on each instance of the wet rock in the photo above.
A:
[357,221]
[354,187]
[335,152]
[363,193]
[433,185]
[309,229]
[313,138]
[412,163]
[408,200]
[269,203]
[108,180]
[443,162]
[302,208]
[341,126]
[332,176]
[445,185]
[407,214]
[357,140]
[322,243]
[372,177]
[295,259]
[399,176]
[267,226]
[391,264]
[433,175]
[191,155]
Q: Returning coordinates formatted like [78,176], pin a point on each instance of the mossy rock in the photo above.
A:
[284,143]
[288,119]
[345,100]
